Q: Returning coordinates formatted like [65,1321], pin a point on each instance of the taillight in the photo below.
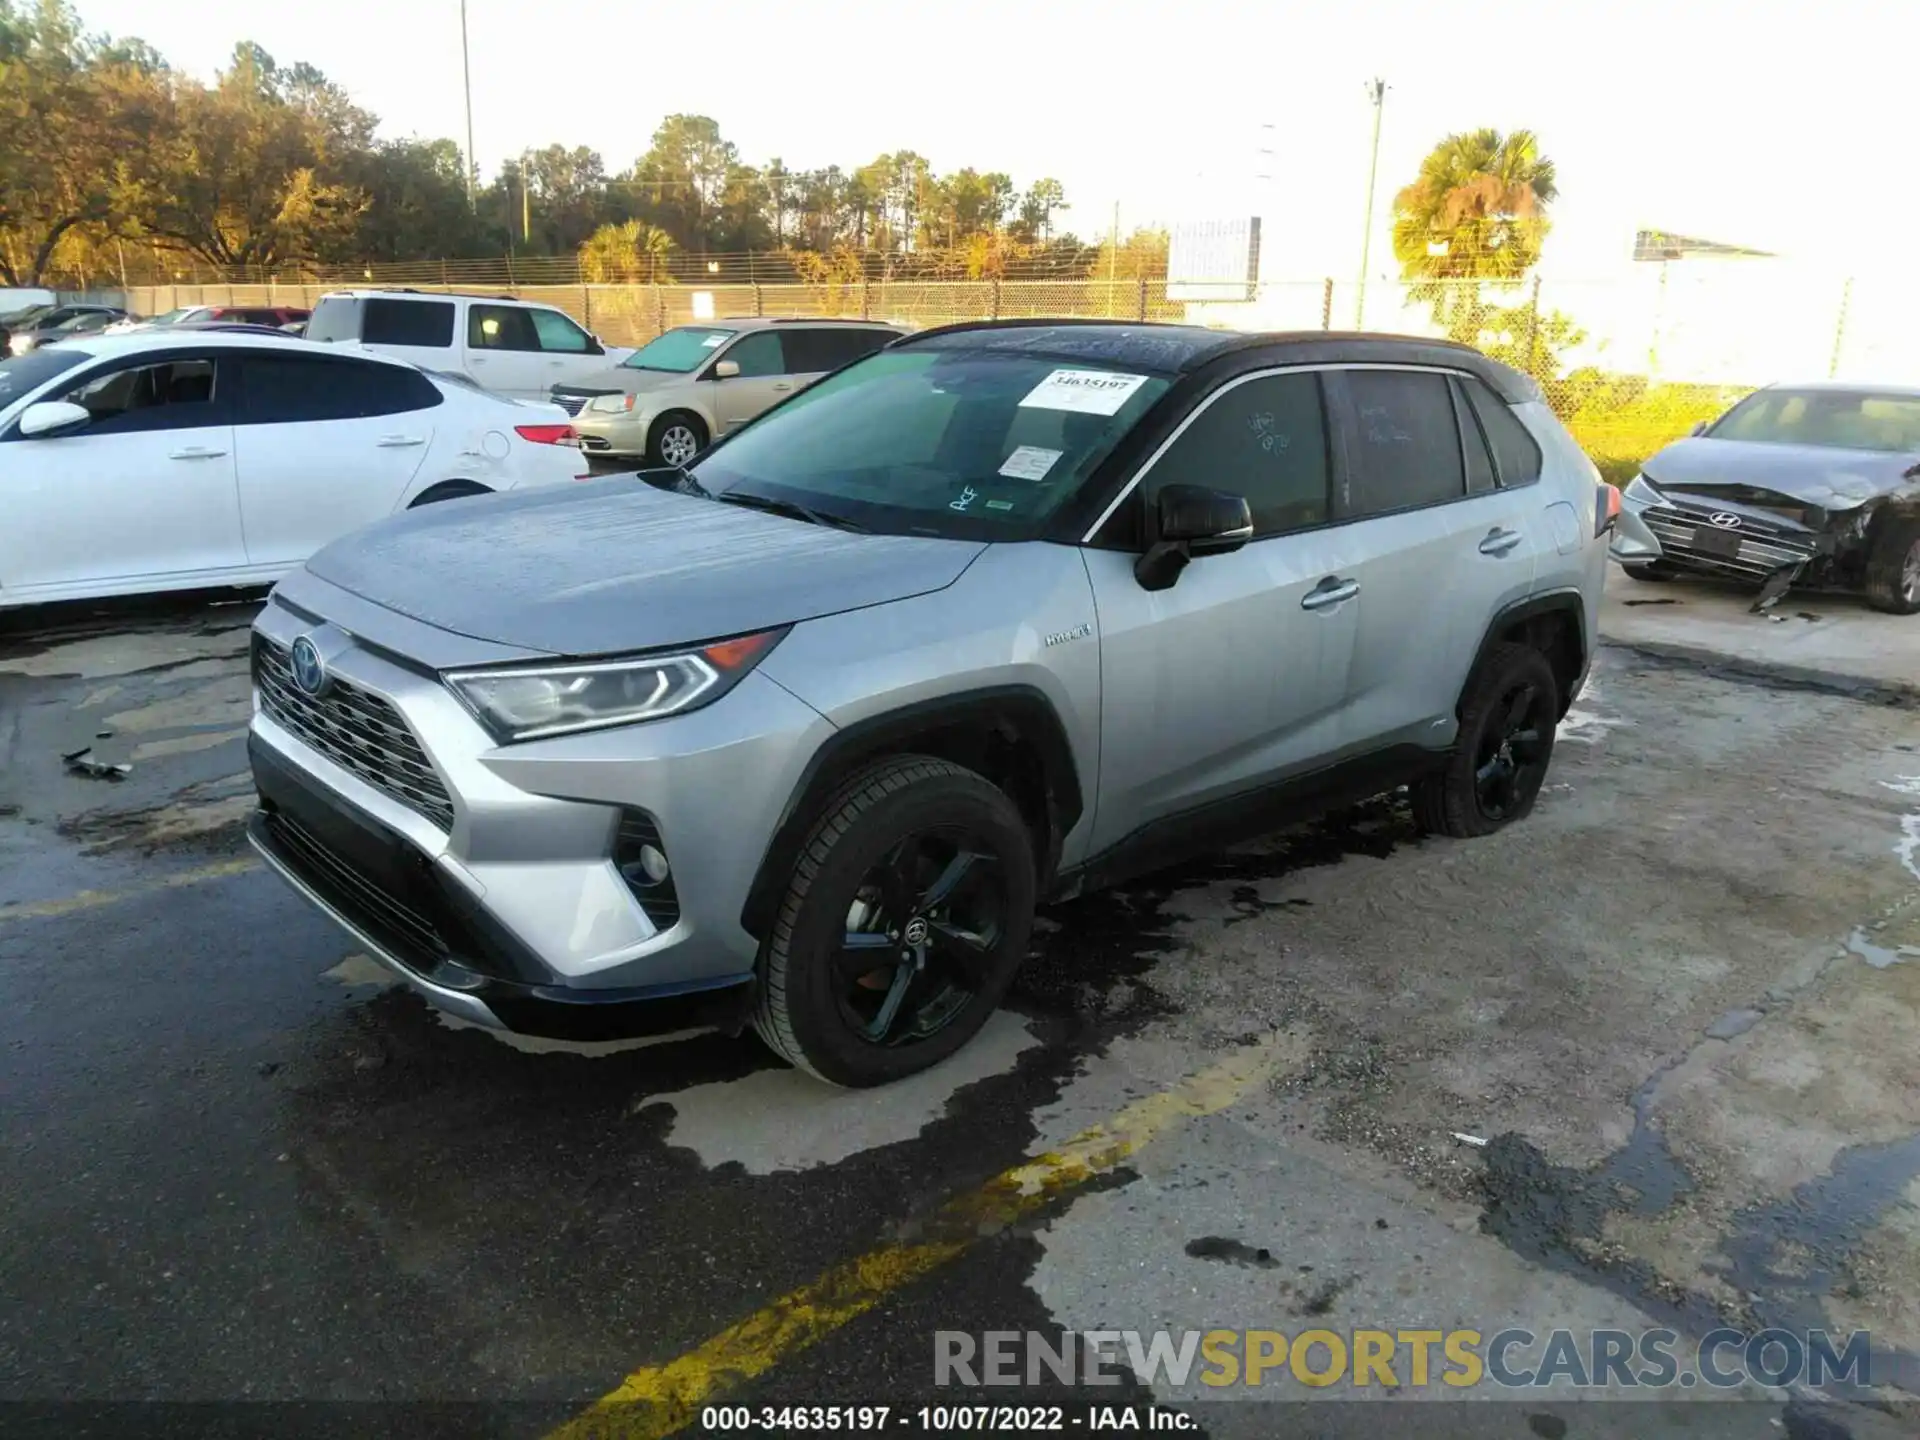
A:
[1606,509]
[548,434]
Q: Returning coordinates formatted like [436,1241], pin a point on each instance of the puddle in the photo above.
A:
[1880,957]
[1907,847]
[1232,1252]
[1789,1255]
[785,1119]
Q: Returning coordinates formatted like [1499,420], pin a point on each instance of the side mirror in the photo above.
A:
[1192,521]
[725,369]
[50,417]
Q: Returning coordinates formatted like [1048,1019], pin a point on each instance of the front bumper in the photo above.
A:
[486,877]
[1693,536]
[604,432]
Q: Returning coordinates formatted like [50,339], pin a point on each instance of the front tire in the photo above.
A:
[1893,565]
[675,438]
[908,913]
[1504,747]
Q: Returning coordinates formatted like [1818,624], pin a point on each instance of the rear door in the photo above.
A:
[1436,547]
[145,491]
[504,354]
[1235,676]
[763,380]
[419,331]
[813,351]
[324,445]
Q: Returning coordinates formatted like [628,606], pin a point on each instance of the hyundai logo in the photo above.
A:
[309,670]
[1721,520]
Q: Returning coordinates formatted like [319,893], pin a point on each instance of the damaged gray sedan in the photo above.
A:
[1815,485]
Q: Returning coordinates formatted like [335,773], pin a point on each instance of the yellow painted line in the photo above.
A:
[94,899]
[660,1399]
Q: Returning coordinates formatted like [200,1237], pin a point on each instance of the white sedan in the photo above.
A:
[174,461]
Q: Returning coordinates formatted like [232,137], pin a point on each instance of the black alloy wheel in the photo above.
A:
[920,936]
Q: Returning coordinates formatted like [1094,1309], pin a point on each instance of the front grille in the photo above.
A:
[1763,548]
[355,729]
[572,404]
[375,908]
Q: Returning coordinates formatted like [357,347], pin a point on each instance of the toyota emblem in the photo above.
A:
[309,670]
[1721,520]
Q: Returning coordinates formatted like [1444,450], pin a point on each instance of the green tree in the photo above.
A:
[678,184]
[1475,214]
[1142,256]
[248,172]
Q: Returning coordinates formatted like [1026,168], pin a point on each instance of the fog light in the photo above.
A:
[653,864]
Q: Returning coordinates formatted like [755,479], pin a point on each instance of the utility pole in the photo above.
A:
[1113,255]
[1377,93]
[526,210]
[466,80]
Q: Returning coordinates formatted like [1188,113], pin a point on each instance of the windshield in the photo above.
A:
[679,350]
[174,317]
[959,443]
[1834,419]
[84,321]
[32,315]
[23,374]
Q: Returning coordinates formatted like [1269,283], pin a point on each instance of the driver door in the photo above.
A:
[145,491]
[1236,675]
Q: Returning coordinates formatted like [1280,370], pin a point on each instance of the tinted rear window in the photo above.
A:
[1406,449]
[1516,454]
[424,323]
[289,389]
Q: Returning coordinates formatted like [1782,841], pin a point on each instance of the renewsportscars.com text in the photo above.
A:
[1403,1359]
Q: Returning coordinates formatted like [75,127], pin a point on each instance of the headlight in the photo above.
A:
[619,404]
[20,344]
[528,703]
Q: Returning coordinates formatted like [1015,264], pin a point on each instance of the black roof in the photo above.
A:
[1180,349]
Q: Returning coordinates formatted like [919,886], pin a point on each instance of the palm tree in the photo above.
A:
[628,253]
[1476,213]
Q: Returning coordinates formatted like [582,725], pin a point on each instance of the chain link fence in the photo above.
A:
[1628,363]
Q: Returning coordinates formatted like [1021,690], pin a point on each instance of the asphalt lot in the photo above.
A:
[1682,1002]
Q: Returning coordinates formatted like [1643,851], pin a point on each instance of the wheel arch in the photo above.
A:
[1011,734]
[454,488]
[1553,624]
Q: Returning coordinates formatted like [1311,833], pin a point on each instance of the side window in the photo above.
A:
[814,352]
[425,324]
[291,389]
[1473,440]
[1266,439]
[500,327]
[758,355]
[1516,454]
[173,395]
[557,334]
[1406,443]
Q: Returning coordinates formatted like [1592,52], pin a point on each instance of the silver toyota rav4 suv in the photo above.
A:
[800,734]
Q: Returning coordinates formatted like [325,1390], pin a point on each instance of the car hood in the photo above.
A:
[614,565]
[1832,479]
[618,379]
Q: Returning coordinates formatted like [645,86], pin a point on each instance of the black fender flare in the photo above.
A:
[1569,602]
[986,711]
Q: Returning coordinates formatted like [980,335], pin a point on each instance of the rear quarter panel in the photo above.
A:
[1570,478]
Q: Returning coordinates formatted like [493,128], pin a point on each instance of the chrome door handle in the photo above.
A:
[1499,542]
[195,452]
[1325,594]
[397,441]
[783,387]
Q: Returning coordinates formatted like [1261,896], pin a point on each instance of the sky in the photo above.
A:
[1753,122]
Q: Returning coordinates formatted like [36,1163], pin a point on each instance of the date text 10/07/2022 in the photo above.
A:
[936,1419]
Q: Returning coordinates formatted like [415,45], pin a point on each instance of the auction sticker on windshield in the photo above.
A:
[1029,462]
[1087,392]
